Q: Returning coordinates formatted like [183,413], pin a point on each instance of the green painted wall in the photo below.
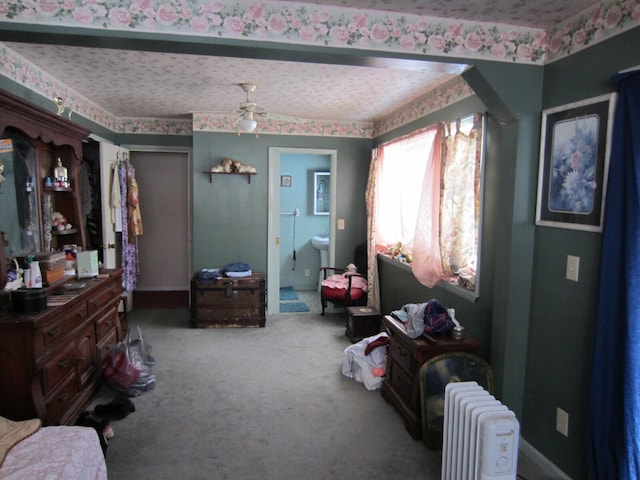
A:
[230,216]
[563,312]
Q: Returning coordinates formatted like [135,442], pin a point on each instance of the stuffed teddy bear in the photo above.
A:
[59,222]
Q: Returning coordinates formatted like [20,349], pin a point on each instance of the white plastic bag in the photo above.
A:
[129,365]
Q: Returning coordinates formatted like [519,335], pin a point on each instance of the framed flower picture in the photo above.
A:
[575,143]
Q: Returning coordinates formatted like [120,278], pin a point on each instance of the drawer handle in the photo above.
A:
[402,352]
[114,290]
[63,396]
[54,332]
[108,323]
[96,303]
[63,363]
[81,313]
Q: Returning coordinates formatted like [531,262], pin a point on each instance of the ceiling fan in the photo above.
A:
[249,110]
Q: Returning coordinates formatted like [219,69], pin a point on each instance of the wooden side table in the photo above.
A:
[362,322]
[401,387]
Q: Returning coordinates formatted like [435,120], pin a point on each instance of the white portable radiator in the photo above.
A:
[480,435]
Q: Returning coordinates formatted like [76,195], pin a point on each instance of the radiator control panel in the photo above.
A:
[499,435]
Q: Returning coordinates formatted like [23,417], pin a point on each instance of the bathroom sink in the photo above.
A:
[320,241]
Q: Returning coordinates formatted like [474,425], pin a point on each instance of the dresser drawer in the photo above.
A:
[97,302]
[60,328]
[402,384]
[402,356]
[61,398]
[105,345]
[58,367]
[106,324]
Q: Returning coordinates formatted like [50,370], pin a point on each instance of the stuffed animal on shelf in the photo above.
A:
[227,165]
[59,222]
[246,169]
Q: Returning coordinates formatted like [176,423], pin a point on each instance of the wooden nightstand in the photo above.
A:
[362,322]
[406,355]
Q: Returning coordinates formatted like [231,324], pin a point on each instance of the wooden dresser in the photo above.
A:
[50,361]
[228,302]
[406,355]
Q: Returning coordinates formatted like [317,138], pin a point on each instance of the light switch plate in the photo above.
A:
[341,224]
[562,422]
[573,268]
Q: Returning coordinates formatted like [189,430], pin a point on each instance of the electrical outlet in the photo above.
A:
[562,422]
[307,272]
[341,224]
[573,268]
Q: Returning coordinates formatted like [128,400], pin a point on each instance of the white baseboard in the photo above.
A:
[541,461]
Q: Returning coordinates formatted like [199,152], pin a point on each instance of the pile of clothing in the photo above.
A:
[365,361]
[233,270]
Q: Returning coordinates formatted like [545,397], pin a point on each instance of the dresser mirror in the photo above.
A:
[38,213]
[20,224]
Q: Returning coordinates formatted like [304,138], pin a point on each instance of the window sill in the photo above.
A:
[455,289]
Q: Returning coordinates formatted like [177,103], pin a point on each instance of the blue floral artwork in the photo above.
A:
[572,182]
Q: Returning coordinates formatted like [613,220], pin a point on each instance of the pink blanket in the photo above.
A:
[56,453]
[341,281]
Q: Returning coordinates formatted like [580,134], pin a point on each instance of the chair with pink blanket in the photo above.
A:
[345,287]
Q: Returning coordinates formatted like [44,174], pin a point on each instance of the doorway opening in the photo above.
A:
[293,260]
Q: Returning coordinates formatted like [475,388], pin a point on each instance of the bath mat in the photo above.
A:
[293,307]
[288,293]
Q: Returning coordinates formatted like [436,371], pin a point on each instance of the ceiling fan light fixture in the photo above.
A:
[247,123]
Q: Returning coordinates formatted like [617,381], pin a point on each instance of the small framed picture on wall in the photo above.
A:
[285,180]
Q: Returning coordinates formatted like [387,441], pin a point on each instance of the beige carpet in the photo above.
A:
[259,403]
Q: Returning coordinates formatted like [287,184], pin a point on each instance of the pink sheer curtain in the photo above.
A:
[427,262]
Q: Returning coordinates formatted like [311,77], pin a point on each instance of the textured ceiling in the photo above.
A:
[130,83]
[151,84]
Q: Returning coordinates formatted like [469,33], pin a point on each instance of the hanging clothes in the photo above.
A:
[134,217]
[116,198]
[130,265]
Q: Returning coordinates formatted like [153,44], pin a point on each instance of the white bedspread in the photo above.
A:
[56,453]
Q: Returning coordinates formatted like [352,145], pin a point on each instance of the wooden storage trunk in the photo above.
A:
[362,322]
[228,302]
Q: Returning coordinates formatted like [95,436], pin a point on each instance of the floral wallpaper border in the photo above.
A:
[204,122]
[605,20]
[155,126]
[287,22]
[333,26]
[447,94]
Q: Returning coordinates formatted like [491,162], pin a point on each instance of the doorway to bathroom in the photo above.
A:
[300,208]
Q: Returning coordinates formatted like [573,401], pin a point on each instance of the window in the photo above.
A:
[428,201]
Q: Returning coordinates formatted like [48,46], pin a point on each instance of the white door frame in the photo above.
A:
[273,227]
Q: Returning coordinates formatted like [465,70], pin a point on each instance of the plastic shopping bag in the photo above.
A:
[129,365]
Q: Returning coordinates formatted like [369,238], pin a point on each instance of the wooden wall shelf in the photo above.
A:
[211,174]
